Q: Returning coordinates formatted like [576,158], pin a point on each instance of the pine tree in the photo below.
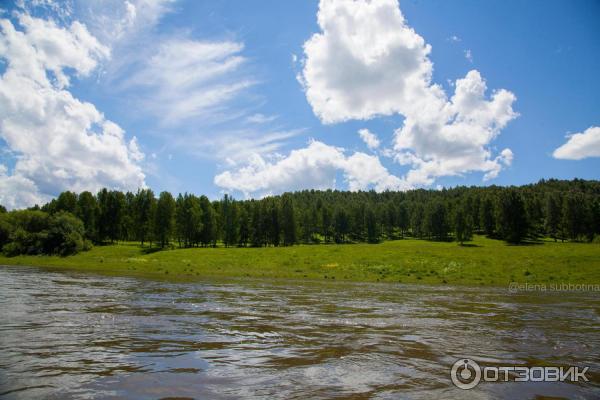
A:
[553,216]
[403,218]
[488,221]
[463,224]
[341,226]
[244,236]
[372,226]
[390,219]
[256,231]
[230,218]
[511,216]
[326,224]
[274,222]
[288,220]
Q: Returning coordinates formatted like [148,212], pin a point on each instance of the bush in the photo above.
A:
[65,234]
[36,232]
[5,229]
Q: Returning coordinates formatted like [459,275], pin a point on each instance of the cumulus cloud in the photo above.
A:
[17,190]
[369,138]
[580,145]
[452,137]
[367,61]
[315,166]
[59,142]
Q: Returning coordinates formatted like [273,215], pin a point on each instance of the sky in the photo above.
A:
[255,98]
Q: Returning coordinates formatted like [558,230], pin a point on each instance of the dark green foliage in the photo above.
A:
[463,223]
[341,226]
[229,212]
[372,226]
[558,209]
[579,216]
[416,219]
[272,222]
[188,220]
[288,220]
[208,230]
[65,235]
[553,213]
[111,209]
[66,201]
[435,223]
[164,218]
[403,218]
[487,216]
[390,219]
[144,210]
[244,233]
[87,211]
[5,229]
[326,223]
[38,232]
[256,231]
[511,221]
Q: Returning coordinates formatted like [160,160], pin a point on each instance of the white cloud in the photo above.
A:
[59,141]
[368,62]
[188,78]
[369,138]
[17,191]
[234,146]
[314,166]
[452,137]
[120,22]
[580,145]
[259,118]
[363,171]
[469,55]
[196,92]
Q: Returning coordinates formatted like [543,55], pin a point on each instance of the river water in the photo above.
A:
[68,335]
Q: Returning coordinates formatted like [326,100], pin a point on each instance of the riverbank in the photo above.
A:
[482,262]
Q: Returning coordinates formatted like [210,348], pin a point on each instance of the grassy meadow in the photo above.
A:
[480,262]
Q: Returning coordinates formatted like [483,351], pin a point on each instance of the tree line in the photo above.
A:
[562,210]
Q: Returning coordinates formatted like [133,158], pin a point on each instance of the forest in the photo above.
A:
[556,209]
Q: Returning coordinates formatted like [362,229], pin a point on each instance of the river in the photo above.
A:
[66,335]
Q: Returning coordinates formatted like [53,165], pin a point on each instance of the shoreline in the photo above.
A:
[485,262]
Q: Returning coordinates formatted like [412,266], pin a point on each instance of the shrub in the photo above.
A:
[36,232]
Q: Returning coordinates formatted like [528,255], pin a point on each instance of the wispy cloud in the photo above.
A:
[469,55]
[187,78]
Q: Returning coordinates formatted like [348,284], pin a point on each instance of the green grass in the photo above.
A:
[481,262]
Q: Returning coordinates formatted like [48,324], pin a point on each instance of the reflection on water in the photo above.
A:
[84,336]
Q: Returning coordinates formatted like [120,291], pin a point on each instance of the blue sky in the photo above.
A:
[236,97]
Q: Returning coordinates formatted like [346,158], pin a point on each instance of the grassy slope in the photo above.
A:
[484,262]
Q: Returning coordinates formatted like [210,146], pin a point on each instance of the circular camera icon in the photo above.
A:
[465,374]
